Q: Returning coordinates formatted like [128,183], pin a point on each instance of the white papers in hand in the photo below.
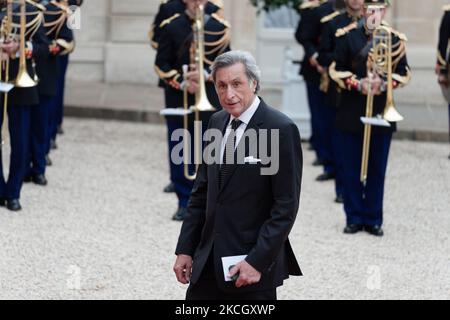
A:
[230,261]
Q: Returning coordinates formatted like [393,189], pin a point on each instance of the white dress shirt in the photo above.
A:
[245,118]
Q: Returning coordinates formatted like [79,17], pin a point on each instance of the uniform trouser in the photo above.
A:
[316,101]
[183,186]
[449,120]
[52,127]
[58,112]
[364,205]
[337,156]
[19,131]
[327,131]
[39,137]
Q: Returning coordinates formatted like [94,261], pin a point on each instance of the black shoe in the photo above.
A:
[318,162]
[53,145]
[374,230]
[170,188]
[60,130]
[352,228]
[180,214]
[2,202]
[339,199]
[325,177]
[13,205]
[48,161]
[28,179]
[40,180]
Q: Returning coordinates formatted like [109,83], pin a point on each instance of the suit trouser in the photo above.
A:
[19,131]
[183,186]
[206,288]
[316,101]
[39,136]
[364,205]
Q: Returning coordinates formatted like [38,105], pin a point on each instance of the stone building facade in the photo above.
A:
[112,45]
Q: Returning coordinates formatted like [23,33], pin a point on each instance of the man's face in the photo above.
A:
[355,5]
[192,5]
[374,16]
[236,92]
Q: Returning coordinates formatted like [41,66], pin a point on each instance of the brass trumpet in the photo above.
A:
[202,103]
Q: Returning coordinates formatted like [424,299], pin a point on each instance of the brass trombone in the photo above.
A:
[202,103]
[380,62]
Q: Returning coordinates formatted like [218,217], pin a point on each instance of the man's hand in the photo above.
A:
[192,78]
[10,47]
[183,268]
[443,80]
[313,62]
[247,274]
[374,83]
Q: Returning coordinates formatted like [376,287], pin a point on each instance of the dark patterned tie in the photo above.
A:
[228,152]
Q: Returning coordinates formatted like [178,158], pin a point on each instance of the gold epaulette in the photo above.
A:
[400,35]
[37,5]
[217,3]
[169,20]
[343,31]
[330,17]
[446,7]
[309,5]
[221,20]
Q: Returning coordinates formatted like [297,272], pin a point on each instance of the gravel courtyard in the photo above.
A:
[101,229]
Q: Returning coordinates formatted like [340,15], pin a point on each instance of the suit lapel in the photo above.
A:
[255,122]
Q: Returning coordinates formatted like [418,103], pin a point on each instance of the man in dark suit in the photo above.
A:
[236,209]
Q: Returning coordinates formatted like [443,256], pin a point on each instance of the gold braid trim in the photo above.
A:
[402,80]
[165,75]
[338,76]
[168,20]
[441,60]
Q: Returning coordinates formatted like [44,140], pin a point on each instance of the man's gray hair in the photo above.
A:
[233,57]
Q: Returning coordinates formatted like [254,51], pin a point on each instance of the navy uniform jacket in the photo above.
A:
[444,36]
[28,96]
[308,35]
[174,51]
[330,25]
[47,67]
[75,2]
[168,9]
[352,51]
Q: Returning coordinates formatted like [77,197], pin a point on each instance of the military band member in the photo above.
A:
[363,202]
[308,35]
[340,18]
[21,100]
[443,54]
[60,38]
[176,49]
[167,10]
[63,62]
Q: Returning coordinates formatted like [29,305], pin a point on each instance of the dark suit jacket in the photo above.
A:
[251,214]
